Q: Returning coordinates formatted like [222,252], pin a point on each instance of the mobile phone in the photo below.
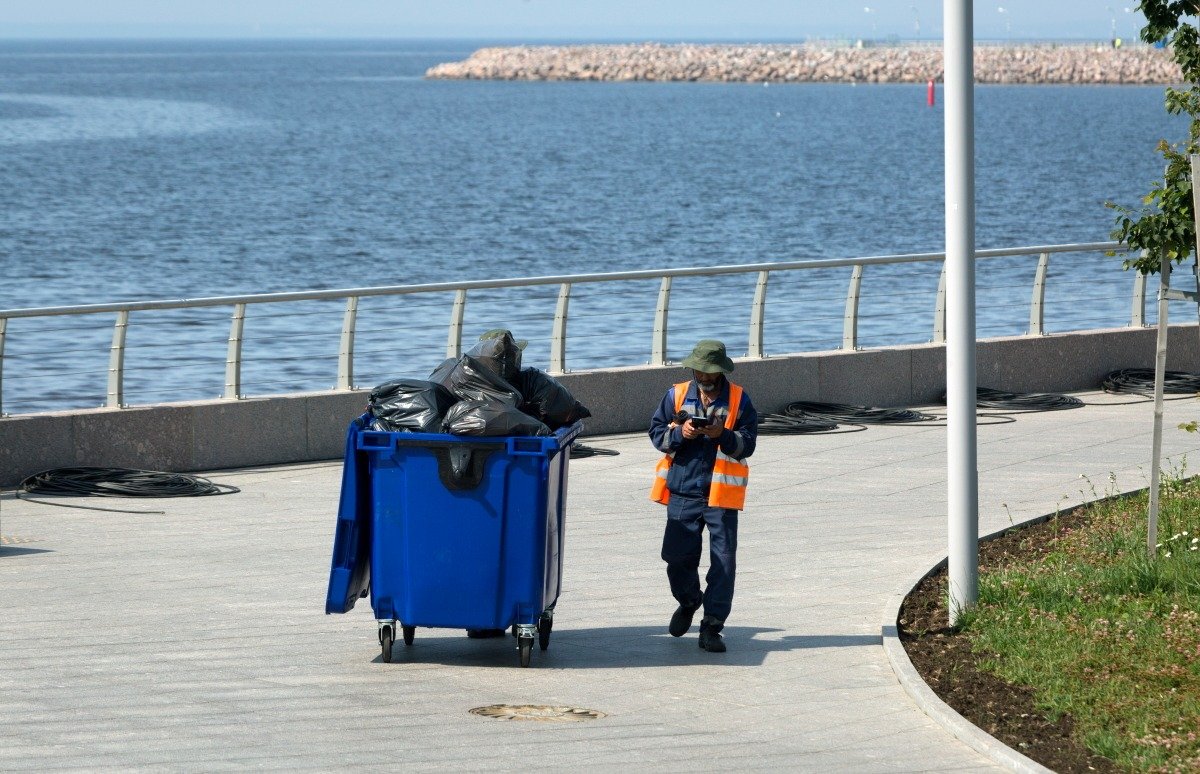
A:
[701,421]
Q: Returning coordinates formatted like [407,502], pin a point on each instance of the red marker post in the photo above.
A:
[929,93]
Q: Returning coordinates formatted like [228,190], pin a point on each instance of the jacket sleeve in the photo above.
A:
[664,437]
[739,442]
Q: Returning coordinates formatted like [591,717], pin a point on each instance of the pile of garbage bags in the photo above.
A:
[485,392]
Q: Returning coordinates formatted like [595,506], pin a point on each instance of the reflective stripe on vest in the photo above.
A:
[730,476]
[658,491]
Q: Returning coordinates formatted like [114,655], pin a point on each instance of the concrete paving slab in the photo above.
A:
[195,639]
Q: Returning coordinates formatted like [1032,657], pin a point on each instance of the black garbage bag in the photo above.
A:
[441,374]
[470,379]
[547,400]
[409,404]
[500,354]
[485,417]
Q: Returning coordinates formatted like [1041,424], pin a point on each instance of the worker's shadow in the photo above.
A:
[617,647]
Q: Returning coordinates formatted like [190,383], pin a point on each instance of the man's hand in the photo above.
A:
[713,431]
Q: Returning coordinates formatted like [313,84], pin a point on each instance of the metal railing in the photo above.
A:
[559,340]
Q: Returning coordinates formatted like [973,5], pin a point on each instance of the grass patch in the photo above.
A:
[1104,633]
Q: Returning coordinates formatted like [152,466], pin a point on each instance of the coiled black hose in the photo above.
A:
[784,424]
[863,415]
[579,450]
[1140,381]
[1012,401]
[121,482]
[985,397]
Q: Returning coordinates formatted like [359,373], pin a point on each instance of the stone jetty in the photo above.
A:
[1046,64]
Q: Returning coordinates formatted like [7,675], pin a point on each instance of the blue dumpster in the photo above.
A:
[451,531]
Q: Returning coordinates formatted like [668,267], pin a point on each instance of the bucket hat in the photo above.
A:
[708,356]
[499,333]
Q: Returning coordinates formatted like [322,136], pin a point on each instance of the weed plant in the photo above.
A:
[1104,632]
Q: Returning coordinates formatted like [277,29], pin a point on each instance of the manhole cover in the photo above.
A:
[13,540]
[536,712]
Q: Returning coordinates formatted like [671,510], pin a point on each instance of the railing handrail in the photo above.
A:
[559,337]
[558,279]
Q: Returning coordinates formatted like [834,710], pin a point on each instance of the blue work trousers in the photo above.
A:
[682,543]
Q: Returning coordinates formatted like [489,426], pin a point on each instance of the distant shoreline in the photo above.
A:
[806,63]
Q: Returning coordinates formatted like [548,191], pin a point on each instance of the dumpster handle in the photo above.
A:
[372,439]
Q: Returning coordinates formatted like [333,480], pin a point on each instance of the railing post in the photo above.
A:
[1036,315]
[939,310]
[758,313]
[454,339]
[658,352]
[345,379]
[1138,319]
[233,355]
[850,318]
[3,327]
[558,336]
[116,362]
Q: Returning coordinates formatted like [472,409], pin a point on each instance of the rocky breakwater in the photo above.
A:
[1080,64]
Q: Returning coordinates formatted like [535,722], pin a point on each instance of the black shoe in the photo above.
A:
[484,634]
[711,641]
[681,620]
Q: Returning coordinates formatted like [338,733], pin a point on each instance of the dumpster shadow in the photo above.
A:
[618,647]
[6,551]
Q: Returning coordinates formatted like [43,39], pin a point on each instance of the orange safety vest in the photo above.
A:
[728,489]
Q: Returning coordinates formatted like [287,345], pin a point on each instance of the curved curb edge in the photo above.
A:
[929,702]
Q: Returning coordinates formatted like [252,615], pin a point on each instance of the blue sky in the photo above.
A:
[663,20]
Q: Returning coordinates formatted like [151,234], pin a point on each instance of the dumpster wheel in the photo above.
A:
[545,624]
[386,637]
[525,645]
[409,632]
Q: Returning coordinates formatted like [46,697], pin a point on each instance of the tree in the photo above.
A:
[1165,224]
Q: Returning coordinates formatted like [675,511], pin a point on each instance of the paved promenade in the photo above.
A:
[196,639]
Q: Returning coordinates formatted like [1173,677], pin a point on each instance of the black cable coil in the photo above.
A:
[985,397]
[580,450]
[1012,401]
[863,415]
[783,424]
[1140,381]
[121,482]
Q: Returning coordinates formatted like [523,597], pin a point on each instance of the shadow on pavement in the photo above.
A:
[617,647]
[18,551]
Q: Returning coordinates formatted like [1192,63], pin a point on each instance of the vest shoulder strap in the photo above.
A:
[680,393]
[735,404]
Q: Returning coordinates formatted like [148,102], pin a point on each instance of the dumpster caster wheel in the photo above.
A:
[386,637]
[525,645]
[408,632]
[545,624]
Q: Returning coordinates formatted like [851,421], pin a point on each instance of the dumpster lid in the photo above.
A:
[350,573]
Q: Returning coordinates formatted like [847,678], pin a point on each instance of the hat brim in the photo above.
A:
[724,367]
[521,344]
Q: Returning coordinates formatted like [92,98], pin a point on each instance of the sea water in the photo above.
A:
[152,170]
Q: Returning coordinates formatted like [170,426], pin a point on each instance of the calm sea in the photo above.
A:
[145,170]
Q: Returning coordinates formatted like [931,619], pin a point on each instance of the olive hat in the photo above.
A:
[709,357]
[499,333]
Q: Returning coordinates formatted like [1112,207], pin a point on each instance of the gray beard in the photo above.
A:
[706,387]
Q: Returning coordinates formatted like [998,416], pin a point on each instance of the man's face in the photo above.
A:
[706,382]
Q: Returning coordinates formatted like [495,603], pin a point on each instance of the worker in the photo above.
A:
[706,427]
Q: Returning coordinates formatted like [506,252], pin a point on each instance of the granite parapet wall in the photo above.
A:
[211,435]
[1042,64]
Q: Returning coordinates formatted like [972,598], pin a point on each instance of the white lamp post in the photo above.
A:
[962,473]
